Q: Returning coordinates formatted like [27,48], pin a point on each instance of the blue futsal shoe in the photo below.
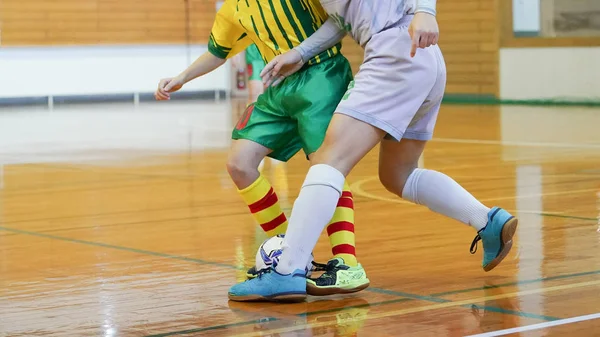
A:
[270,285]
[496,237]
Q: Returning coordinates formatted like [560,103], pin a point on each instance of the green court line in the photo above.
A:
[216,327]
[468,306]
[272,319]
[568,216]
[517,283]
[493,100]
[306,314]
[405,296]
[127,249]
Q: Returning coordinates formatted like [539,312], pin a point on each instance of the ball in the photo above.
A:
[269,253]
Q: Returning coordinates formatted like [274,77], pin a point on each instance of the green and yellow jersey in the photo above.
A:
[275,26]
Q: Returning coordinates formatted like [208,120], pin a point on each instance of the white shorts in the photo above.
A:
[394,92]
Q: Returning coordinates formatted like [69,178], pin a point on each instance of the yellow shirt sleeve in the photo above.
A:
[227,37]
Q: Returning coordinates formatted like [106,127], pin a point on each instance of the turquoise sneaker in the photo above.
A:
[496,237]
[270,285]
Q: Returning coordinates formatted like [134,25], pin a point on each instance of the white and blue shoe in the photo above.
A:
[269,285]
[496,237]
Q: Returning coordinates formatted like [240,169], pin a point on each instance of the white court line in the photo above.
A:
[516,143]
[539,326]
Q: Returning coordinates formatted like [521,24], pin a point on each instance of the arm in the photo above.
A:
[226,40]
[327,36]
[203,65]
[426,6]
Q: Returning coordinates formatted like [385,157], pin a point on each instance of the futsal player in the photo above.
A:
[284,119]
[394,101]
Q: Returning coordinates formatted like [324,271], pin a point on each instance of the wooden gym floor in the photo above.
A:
[118,220]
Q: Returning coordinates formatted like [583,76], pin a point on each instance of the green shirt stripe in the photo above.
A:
[290,18]
[304,17]
[254,26]
[280,26]
[216,49]
[262,15]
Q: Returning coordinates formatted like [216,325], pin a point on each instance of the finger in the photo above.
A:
[273,80]
[268,68]
[278,81]
[415,44]
[423,40]
[170,86]
[436,39]
[267,78]
[161,96]
[430,40]
[158,96]
[162,84]
[277,69]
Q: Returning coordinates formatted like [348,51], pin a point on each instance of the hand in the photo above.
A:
[281,67]
[239,61]
[424,31]
[168,85]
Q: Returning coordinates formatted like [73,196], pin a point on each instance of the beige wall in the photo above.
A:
[469,30]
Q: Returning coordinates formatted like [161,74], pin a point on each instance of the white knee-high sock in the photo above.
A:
[312,211]
[443,195]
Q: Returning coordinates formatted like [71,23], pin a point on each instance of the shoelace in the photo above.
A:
[473,248]
[262,272]
[320,266]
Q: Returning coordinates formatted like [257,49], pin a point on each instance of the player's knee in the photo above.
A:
[394,180]
[241,171]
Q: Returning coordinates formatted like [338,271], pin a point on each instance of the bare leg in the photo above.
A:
[323,186]
[244,158]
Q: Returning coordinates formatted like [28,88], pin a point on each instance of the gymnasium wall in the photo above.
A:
[550,73]
[99,47]
[469,40]
[90,22]
[138,41]
[556,58]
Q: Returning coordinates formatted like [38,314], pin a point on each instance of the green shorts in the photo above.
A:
[295,114]
[255,63]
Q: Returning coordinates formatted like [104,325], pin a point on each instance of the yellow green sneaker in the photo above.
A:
[338,278]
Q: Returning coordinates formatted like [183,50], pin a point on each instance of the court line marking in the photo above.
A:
[539,326]
[127,249]
[273,319]
[357,190]
[404,296]
[517,143]
[517,283]
[395,313]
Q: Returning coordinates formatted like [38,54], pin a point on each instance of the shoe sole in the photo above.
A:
[289,298]
[508,231]
[313,290]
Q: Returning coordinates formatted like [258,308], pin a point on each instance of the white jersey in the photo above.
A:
[364,18]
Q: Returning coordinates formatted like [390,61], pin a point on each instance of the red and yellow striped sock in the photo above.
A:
[264,206]
[341,229]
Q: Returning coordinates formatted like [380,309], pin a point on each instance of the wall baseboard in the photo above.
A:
[493,100]
[110,98]
[221,94]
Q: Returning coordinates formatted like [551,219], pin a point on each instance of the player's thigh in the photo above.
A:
[314,96]
[255,89]
[346,142]
[264,124]
[397,160]
[390,86]
[245,153]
